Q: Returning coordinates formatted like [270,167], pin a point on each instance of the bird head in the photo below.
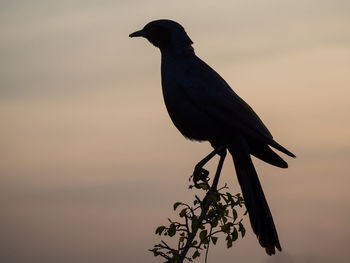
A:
[165,34]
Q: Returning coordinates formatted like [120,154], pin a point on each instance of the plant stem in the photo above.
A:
[205,208]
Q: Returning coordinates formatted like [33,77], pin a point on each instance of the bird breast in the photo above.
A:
[189,119]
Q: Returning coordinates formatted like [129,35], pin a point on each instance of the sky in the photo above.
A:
[90,163]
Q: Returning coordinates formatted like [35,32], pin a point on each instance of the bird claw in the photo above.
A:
[200,174]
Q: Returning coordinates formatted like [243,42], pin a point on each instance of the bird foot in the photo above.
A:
[200,174]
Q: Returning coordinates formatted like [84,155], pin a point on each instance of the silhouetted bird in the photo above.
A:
[204,108]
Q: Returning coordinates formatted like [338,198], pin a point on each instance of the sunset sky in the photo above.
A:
[90,163]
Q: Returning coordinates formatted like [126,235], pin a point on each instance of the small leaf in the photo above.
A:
[160,230]
[234,212]
[155,252]
[181,239]
[225,228]
[225,199]
[176,205]
[195,254]
[203,235]
[214,240]
[172,230]
[234,234]
[211,213]
[241,229]
[214,222]
[229,241]
[195,224]
[204,186]
[183,212]
[230,198]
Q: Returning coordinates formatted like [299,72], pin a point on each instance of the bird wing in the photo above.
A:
[208,91]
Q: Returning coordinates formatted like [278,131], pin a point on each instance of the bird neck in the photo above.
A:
[175,51]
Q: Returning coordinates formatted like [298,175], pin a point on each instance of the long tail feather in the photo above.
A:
[259,213]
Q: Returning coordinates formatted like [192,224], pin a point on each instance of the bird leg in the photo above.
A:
[218,169]
[201,174]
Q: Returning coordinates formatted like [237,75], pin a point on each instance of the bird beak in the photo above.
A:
[139,33]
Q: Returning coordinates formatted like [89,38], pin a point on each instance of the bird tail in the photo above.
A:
[279,147]
[264,152]
[256,204]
